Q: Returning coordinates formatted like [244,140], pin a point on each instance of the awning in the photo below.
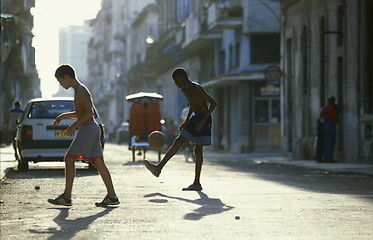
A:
[232,79]
[144,97]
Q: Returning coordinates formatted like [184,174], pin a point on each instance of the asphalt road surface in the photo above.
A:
[241,199]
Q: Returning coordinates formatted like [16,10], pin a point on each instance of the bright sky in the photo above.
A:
[49,16]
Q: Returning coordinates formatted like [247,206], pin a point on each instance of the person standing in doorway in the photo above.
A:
[329,119]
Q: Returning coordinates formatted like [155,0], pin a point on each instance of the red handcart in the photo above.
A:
[145,117]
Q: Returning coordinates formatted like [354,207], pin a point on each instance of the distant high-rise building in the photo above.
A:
[73,48]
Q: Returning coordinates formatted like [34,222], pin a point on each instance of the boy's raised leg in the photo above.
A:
[176,145]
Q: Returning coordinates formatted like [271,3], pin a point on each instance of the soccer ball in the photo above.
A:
[156,140]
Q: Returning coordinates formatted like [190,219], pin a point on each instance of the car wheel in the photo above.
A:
[133,153]
[23,164]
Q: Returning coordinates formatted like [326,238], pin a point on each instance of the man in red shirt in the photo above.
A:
[329,118]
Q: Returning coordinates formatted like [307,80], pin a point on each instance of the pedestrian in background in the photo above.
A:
[329,119]
[12,119]
[184,114]
[170,132]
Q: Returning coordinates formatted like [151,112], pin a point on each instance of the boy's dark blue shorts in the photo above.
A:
[199,138]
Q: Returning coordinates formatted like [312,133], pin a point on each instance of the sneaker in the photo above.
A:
[152,168]
[108,201]
[60,200]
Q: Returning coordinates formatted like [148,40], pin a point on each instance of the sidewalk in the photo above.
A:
[274,158]
[7,160]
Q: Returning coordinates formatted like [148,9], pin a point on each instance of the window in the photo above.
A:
[304,49]
[50,109]
[231,57]
[368,80]
[221,62]
[340,25]
[265,48]
[322,62]
[237,55]
[183,10]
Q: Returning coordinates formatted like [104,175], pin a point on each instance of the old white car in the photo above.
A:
[37,140]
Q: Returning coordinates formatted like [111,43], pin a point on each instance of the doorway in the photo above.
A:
[266,132]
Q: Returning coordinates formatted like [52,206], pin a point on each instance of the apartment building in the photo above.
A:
[19,79]
[110,51]
[225,46]
[327,51]
[73,49]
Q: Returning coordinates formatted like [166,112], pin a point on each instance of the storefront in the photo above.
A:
[266,118]
[247,118]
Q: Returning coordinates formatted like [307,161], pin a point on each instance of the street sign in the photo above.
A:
[273,74]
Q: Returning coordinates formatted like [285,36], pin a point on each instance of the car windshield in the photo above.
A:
[49,109]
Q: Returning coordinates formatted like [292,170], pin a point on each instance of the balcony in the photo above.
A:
[224,16]
[180,35]
[261,18]
[196,33]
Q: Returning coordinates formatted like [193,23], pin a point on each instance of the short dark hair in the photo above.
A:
[65,69]
[331,100]
[17,104]
[179,72]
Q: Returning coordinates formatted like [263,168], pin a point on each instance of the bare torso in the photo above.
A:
[78,102]
[195,98]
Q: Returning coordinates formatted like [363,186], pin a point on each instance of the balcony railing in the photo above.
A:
[196,33]
[224,16]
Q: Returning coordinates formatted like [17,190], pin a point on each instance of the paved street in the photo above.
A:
[244,197]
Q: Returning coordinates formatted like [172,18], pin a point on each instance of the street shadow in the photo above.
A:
[208,206]
[46,173]
[315,180]
[133,163]
[69,228]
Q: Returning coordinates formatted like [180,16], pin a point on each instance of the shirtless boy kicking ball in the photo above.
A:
[86,144]
[196,128]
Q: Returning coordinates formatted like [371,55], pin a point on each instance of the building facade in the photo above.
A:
[110,51]
[18,79]
[225,46]
[73,49]
[327,51]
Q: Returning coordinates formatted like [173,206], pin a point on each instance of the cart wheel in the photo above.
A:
[133,153]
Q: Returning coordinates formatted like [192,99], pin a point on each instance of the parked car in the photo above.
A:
[123,133]
[37,140]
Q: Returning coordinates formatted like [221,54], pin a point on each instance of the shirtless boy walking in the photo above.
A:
[196,128]
[86,144]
